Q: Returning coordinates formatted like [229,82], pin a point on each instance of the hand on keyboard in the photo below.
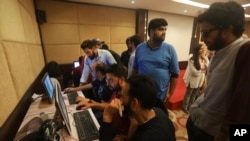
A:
[79,98]
[69,89]
[83,103]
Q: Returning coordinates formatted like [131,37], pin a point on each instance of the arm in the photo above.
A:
[105,130]
[172,85]
[174,74]
[86,103]
[81,87]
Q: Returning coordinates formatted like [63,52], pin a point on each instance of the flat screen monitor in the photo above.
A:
[49,89]
[62,109]
[76,64]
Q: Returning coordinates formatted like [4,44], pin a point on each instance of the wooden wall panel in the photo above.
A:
[21,59]
[112,25]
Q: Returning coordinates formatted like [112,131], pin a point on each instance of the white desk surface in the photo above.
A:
[42,105]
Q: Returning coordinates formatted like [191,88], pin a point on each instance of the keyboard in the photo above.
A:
[72,97]
[85,126]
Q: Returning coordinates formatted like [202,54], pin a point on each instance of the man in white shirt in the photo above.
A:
[133,41]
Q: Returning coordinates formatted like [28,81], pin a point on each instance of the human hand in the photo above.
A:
[111,109]
[80,98]
[84,103]
[69,89]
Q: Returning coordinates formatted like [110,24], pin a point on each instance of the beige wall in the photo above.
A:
[68,24]
[21,55]
[247,29]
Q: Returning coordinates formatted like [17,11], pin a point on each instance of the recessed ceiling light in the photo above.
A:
[133,1]
[185,11]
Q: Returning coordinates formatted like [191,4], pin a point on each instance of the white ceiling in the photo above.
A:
[159,5]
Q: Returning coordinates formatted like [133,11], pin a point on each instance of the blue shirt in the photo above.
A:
[158,63]
[103,56]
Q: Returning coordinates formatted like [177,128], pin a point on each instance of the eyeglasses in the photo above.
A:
[110,80]
[205,33]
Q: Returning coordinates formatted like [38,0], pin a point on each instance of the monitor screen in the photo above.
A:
[61,108]
[48,87]
[76,64]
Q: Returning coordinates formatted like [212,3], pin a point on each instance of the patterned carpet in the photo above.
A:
[179,119]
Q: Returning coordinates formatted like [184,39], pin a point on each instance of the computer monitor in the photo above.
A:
[76,64]
[61,108]
[49,89]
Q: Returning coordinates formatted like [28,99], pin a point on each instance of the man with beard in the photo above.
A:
[158,59]
[226,98]
[93,55]
[139,95]
[116,74]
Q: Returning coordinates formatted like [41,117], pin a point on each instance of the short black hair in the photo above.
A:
[87,44]
[101,67]
[117,70]
[135,39]
[142,87]
[223,14]
[156,23]
[105,46]
[54,69]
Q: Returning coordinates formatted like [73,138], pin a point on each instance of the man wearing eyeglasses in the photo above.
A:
[226,100]
[116,75]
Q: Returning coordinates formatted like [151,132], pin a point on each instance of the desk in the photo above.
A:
[42,105]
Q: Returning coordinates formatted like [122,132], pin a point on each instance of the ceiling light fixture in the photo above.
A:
[246,5]
[201,5]
[189,2]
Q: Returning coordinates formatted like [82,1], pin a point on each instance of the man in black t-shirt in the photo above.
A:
[138,97]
